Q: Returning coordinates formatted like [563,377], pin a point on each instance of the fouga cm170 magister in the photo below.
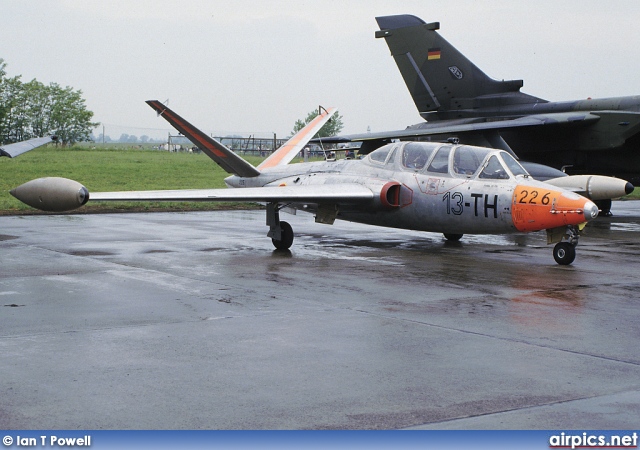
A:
[435,187]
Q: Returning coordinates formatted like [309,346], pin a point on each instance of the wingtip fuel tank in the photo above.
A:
[52,194]
[594,187]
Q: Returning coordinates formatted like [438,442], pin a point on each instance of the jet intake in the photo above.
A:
[395,195]
[52,194]
[390,195]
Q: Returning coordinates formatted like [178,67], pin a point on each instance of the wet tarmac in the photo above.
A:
[192,320]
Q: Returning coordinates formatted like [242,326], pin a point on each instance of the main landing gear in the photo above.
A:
[280,232]
[565,252]
[286,237]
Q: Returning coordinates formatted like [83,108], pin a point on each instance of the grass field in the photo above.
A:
[114,168]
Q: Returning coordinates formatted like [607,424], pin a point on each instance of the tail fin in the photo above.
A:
[294,145]
[222,155]
[439,77]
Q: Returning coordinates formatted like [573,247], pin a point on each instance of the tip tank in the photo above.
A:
[594,187]
[52,194]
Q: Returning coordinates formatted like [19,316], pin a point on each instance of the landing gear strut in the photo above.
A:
[280,232]
[565,252]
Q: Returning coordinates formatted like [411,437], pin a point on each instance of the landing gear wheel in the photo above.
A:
[452,237]
[564,253]
[286,237]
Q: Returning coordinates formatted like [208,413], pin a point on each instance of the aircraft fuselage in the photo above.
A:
[428,200]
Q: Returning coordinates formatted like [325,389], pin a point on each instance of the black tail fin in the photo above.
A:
[441,80]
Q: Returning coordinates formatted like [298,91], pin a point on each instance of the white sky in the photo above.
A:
[258,66]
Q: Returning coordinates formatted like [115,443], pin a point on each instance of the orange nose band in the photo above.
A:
[536,208]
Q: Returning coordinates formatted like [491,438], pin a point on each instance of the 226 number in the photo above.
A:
[531,197]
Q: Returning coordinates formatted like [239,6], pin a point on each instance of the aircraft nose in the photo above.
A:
[590,211]
[537,208]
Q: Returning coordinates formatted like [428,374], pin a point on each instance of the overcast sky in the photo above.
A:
[258,66]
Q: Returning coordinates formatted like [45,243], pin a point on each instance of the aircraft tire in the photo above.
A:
[564,253]
[287,237]
[452,237]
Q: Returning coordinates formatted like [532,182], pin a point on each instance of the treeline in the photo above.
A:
[33,109]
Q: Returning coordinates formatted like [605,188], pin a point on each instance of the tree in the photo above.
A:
[3,105]
[102,138]
[11,108]
[69,117]
[331,128]
[32,109]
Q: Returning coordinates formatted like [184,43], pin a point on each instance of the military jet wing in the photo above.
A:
[340,193]
[61,194]
[471,126]
[18,148]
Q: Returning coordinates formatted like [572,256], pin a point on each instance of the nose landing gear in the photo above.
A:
[564,252]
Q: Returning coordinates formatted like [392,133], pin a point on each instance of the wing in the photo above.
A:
[342,193]
[13,150]
[61,194]
[471,126]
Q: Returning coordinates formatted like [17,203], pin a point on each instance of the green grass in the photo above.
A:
[115,169]
[635,195]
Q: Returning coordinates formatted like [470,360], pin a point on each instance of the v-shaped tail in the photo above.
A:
[215,150]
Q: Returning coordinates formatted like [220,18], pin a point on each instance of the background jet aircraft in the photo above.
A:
[437,187]
[18,148]
[593,136]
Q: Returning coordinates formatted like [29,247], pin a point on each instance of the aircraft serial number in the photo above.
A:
[456,205]
[531,198]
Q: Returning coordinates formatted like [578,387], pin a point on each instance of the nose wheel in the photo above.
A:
[564,252]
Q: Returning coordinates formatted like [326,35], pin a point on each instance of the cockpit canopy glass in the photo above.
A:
[463,160]
[440,163]
[415,155]
[493,170]
[513,165]
[380,155]
[467,160]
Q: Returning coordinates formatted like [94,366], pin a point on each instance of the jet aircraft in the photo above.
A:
[18,148]
[437,187]
[457,99]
